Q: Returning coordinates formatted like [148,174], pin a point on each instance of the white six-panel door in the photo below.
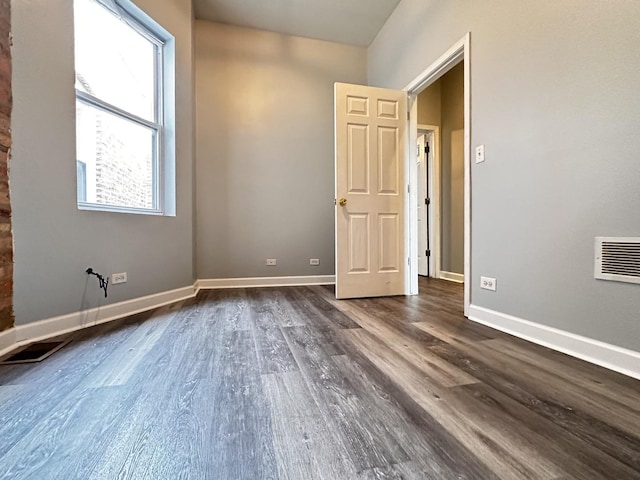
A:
[370,137]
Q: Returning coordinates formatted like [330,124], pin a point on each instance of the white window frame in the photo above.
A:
[158,125]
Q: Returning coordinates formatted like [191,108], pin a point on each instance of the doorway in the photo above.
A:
[441,177]
[373,169]
[456,57]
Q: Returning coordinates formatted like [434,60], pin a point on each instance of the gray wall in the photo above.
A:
[452,181]
[264,150]
[555,99]
[54,241]
[430,105]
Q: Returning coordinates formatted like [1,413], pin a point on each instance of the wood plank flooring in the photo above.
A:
[289,383]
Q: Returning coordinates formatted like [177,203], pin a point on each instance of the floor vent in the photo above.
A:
[36,352]
[618,259]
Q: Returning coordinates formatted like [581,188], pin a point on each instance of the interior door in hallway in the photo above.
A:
[370,135]
[423,160]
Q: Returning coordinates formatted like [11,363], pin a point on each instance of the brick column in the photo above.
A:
[6,240]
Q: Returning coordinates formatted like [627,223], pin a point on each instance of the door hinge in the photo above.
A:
[408,188]
[427,201]
[408,115]
[409,261]
[427,253]
[427,149]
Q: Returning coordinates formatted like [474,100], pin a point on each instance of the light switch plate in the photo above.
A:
[480,154]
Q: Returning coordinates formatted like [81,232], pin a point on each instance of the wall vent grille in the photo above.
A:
[618,259]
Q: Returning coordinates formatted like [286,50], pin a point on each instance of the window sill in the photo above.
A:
[94,207]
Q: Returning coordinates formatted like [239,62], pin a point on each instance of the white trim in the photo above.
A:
[51,327]
[467,173]
[410,206]
[609,356]
[451,276]
[460,51]
[93,101]
[7,340]
[253,282]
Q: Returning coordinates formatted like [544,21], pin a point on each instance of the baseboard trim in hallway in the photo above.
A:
[609,356]
[452,277]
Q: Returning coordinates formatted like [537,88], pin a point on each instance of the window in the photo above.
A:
[119,109]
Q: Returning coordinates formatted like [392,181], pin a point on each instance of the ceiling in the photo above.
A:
[355,22]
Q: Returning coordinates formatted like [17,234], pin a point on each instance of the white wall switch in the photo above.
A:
[480,154]
[119,278]
[488,283]
[314,261]
[271,262]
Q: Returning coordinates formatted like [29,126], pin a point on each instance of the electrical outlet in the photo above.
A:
[271,262]
[119,278]
[480,154]
[314,261]
[488,283]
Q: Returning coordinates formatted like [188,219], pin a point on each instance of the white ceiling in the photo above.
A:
[354,22]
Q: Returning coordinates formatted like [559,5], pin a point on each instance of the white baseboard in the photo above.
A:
[609,356]
[213,283]
[7,340]
[51,327]
[452,277]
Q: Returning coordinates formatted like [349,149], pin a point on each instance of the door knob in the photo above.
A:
[342,202]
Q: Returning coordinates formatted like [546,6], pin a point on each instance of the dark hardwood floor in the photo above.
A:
[288,383]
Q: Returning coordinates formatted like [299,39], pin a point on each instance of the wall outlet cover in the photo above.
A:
[488,283]
[271,262]
[314,261]
[117,278]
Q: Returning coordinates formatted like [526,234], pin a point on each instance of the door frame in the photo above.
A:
[433,179]
[460,51]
